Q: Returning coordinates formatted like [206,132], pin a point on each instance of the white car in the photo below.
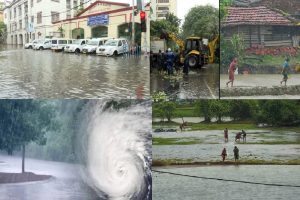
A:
[43,44]
[113,47]
[93,44]
[76,46]
[30,44]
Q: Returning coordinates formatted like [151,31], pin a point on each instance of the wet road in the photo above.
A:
[202,84]
[167,186]
[65,184]
[46,74]
[212,143]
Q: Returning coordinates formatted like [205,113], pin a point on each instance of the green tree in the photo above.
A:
[202,21]
[204,110]
[219,109]
[277,112]
[223,8]
[166,109]
[242,109]
[2,32]
[22,122]
[170,24]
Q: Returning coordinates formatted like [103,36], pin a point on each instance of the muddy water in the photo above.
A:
[167,187]
[202,83]
[46,74]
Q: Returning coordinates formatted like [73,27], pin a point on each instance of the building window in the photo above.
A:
[15,12]
[38,1]
[68,16]
[39,18]
[163,1]
[54,16]
[55,1]
[20,24]
[32,19]
[20,10]
[31,3]
[26,8]
[163,8]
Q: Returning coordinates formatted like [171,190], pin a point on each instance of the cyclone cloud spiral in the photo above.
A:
[118,151]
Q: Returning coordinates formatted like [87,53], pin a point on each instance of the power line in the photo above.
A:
[227,180]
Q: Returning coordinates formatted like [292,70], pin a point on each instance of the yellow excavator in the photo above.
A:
[192,50]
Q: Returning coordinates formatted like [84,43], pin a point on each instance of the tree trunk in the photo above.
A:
[23,158]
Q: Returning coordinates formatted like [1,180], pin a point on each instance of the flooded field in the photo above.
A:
[46,74]
[261,145]
[166,186]
[202,83]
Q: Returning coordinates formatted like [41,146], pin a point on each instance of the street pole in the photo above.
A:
[132,28]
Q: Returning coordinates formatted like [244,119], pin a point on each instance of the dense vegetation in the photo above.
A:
[272,112]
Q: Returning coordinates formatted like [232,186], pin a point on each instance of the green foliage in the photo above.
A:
[223,8]
[165,110]
[202,21]
[170,24]
[242,110]
[277,112]
[235,48]
[2,32]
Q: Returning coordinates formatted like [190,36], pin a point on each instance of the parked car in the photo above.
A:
[30,44]
[93,44]
[76,46]
[113,47]
[59,44]
[42,44]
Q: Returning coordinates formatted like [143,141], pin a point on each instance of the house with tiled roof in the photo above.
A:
[261,26]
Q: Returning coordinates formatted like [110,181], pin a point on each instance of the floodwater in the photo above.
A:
[202,83]
[212,143]
[167,186]
[46,74]
[65,184]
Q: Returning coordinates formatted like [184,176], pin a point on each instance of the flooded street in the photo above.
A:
[202,83]
[66,182]
[212,142]
[260,86]
[46,74]
[166,186]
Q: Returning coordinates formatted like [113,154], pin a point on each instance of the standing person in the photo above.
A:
[160,61]
[186,66]
[236,153]
[244,136]
[224,154]
[285,70]
[177,61]
[226,135]
[170,61]
[231,71]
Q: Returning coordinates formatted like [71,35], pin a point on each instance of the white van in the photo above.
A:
[30,44]
[113,47]
[93,44]
[76,46]
[42,44]
[58,44]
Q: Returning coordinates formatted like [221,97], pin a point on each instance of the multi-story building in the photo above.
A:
[32,19]
[161,8]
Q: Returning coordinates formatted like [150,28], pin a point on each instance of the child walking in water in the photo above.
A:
[284,72]
[231,71]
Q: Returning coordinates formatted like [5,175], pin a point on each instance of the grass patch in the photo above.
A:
[222,126]
[175,141]
[273,142]
[269,60]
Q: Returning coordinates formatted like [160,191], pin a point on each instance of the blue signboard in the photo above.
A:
[97,20]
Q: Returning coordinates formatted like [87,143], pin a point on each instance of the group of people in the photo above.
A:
[235,153]
[168,61]
[233,67]
[238,136]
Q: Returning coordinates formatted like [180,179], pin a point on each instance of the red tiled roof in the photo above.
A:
[254,16]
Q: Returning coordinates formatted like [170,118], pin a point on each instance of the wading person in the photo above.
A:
[231,71]
[226,135]
[236,153]
[186,66]
[224,154]
[160,61]
[170,61]
[177,61]
[244,134]
[284,72]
